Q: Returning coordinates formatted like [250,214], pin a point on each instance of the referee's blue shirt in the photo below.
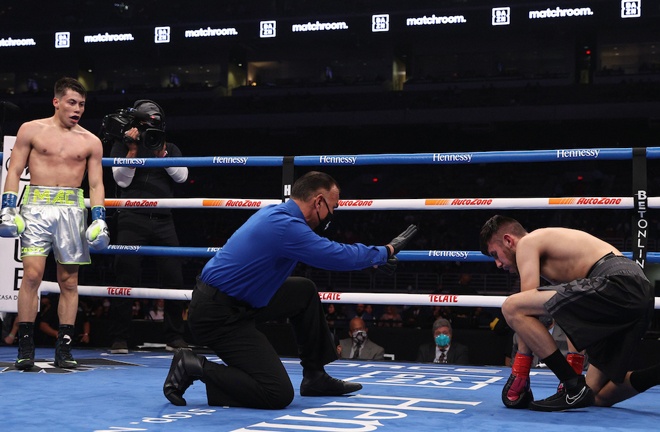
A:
[261,254]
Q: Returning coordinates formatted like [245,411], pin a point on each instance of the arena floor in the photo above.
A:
[124,393]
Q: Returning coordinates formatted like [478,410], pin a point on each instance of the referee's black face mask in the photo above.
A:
[324,224]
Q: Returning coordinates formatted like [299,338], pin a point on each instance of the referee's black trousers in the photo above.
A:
[253,375]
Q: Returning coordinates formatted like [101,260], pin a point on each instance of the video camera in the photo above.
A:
[115,125]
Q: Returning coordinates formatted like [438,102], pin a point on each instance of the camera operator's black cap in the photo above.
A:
[154,110]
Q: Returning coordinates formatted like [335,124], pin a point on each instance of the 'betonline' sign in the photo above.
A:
[560,13]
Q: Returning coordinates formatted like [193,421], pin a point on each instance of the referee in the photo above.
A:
[248,281]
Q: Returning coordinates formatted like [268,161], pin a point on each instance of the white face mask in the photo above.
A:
[359,337]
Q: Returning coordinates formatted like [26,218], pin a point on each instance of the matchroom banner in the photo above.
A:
[11,266]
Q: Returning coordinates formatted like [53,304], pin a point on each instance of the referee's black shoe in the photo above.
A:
[580,396]
[319,383]
[186,367]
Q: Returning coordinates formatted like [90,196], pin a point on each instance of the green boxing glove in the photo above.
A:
[97,232]
[12,223]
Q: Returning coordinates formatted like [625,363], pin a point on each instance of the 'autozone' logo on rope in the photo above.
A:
[141,203]
[584,201]
[356,203]
[231,203]
[242,203]
[436,202]
[471,201]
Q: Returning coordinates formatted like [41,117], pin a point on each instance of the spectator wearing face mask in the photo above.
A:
[358,345]
[443,349]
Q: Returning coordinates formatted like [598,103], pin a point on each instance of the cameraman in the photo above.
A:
[148,226]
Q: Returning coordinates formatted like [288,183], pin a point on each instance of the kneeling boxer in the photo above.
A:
[602,301]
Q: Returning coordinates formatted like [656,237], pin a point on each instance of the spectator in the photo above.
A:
[417,317]
[368,315]
[359,311]
[363,311]
[443,349]
[331,315]
[481,318]
[157,312]
[48,323]
[462,316]
[136,310]
[358,345]
[391,317]
[9,328]
[338,317]
[441,312]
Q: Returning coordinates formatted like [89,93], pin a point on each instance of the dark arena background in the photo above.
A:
[248,78]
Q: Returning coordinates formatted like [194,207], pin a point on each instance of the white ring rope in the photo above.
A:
[393,204]
[325,296]
[188,203]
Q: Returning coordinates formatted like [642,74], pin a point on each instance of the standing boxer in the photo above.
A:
[58,152]
[602,300]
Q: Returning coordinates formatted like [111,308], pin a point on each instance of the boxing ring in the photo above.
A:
[123,392]
[639,203]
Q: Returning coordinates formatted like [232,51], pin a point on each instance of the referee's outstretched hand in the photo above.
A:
[401,241]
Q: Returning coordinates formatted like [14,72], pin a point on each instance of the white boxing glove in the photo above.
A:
[12,223]
[98,235]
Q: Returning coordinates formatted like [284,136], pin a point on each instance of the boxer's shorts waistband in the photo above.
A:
[56,196]
[611,265]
